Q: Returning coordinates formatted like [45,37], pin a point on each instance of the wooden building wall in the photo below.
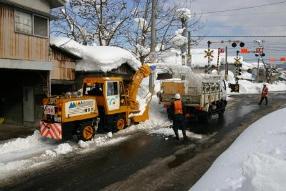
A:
[19,46]
[64,66]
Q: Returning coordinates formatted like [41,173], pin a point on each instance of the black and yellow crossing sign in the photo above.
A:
[209,53]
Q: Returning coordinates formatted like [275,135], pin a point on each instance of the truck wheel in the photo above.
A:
[86,132]
[120,124]
[220,114]
[208,117]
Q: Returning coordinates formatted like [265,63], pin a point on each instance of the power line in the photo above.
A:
[239,36]
[248,26]
[247,14]
[243,8]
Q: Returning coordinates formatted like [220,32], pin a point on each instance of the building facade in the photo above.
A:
[24,58]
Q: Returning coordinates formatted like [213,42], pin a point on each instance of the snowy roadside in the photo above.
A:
[18,155]
[256,161]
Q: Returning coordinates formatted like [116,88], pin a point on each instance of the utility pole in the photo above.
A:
[185,34]
[153,26]
[259,53]
[226,66]
[153,44]
[209,58]
[189,61]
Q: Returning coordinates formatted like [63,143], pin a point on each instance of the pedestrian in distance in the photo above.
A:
[178,117]
[264,94]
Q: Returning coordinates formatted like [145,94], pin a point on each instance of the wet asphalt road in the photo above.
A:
[146,162]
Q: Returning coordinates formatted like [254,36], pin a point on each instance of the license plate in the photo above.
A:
[49,110]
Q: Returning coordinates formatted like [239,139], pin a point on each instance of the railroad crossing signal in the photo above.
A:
[209,53]
[259,50]
[237,61]
[244,51]
[221,50]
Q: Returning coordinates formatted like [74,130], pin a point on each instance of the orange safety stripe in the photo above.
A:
[51,130]
[178,107]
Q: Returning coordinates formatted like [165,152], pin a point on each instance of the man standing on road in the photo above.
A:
[178,117]
[264,94]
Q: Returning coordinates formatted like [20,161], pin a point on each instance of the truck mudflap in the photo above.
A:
[51,130]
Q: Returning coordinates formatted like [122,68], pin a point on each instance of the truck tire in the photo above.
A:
[86,132]
[120,123]
[221,114]
[205,117]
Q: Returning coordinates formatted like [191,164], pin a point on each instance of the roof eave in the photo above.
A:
[56,3]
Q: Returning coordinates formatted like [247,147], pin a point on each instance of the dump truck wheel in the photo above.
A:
[120,124]
[86,132]
[221,114]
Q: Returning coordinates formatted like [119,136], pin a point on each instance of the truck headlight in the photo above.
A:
[57,119]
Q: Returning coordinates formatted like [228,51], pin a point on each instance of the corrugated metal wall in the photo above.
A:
[19,46]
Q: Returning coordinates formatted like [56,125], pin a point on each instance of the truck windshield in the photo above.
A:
[93,89]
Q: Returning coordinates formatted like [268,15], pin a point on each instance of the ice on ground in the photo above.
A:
[165,131]
[256,161]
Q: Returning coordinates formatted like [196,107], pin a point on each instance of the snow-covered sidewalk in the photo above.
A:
[256,161]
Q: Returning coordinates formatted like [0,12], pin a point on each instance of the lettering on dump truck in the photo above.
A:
[79,107]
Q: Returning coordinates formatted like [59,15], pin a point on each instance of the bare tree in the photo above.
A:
[91,21]
[116,22]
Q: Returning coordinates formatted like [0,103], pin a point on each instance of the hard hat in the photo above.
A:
[265,84]
[177,96]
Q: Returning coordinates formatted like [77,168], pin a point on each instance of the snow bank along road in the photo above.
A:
[144,159]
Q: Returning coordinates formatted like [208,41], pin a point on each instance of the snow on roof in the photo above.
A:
[96,58]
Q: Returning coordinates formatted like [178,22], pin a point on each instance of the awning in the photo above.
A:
[25,64]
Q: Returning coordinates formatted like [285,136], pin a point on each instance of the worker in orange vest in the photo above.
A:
[178,117]
[264,94]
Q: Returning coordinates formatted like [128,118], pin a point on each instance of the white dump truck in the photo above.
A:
[203,95]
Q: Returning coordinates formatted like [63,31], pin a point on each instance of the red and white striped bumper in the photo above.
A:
[51,130]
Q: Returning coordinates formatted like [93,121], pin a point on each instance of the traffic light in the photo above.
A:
[234,44]
[241,44]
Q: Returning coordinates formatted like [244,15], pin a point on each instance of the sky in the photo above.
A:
[266,20]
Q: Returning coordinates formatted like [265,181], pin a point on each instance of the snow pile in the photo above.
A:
[256,161]
[247,87]
[63,149]
[19,148]
[183,13]
[20,144]
[96,58]
[247,66]
[246,76]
